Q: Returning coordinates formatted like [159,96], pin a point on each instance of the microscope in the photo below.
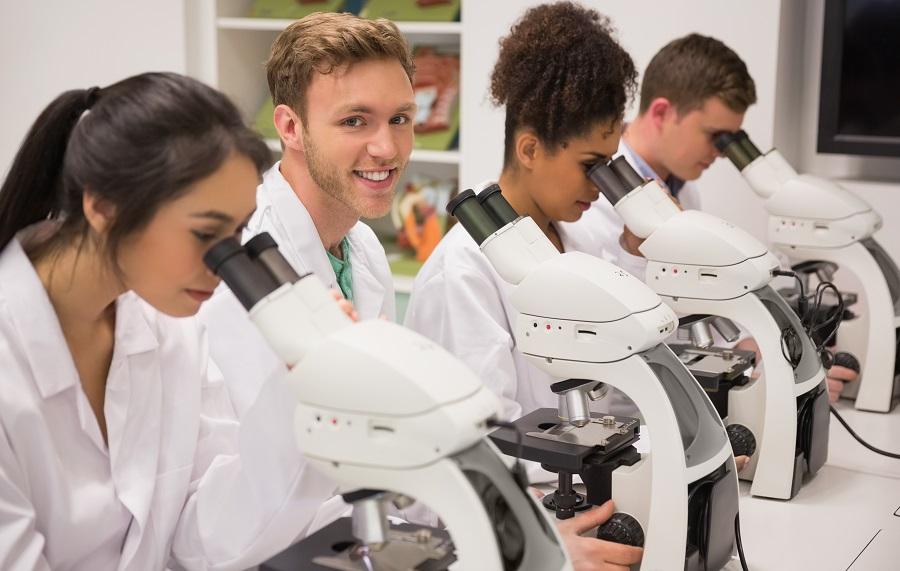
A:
[702,265]
[823,227]
[591,325]
[389,416]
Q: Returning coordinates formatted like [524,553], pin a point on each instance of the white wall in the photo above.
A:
[780,40]
[50,46]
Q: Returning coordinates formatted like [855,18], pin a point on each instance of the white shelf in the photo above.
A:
[418,155]
[435,157]
[276,25]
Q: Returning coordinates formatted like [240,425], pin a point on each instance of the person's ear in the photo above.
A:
[528,148]
[659,111]
[289,126]
[98,212]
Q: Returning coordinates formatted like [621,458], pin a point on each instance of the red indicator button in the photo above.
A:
[674,270]
[548,327]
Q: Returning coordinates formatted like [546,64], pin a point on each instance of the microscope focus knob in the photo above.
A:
[622,528]
[844,359]
[743,443]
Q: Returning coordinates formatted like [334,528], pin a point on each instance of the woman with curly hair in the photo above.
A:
[564,81]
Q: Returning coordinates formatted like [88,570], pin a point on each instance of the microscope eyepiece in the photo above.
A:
[264,250]
[737,147]
[626,173]
[473,216]
[608,182]
[497,206]
[249,282]
[260,243]
[221,252]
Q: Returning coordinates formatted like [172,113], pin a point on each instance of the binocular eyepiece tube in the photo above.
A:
[615,179]
[263,248]
[252,271]
[738,147]
[482,214]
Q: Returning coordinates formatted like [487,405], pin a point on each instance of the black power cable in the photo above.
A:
[859,438]
[807,318]
[737,540]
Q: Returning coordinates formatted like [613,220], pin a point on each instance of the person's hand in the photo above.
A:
[591,554]
[630,242]
[741,461]
[837,376]
[344,304]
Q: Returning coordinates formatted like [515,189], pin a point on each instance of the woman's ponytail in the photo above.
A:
[33,186]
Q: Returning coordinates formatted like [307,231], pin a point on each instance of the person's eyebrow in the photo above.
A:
[355,108]
[214,215]
[366,110]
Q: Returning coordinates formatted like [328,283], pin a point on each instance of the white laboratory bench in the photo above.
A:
[845,518]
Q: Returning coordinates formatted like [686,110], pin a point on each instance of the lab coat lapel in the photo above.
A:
[134,402]
[368,292]
[45,346]
[287,219]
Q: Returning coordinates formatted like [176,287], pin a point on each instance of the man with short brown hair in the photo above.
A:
[694,88]
[344,110]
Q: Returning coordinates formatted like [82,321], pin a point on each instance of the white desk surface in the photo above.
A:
[845,518]
[830,524]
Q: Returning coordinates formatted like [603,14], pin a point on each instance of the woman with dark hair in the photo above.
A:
[564,81]
[119,449]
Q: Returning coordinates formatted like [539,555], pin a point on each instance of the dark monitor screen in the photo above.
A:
[859,105]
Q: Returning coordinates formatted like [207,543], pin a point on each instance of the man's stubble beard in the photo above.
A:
[327,177]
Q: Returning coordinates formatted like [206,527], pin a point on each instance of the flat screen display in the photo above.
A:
[859,108]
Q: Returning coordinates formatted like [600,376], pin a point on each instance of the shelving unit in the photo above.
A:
[227,49]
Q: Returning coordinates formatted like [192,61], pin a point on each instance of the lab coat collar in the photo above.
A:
[304,250]
[368,292]
[45,347]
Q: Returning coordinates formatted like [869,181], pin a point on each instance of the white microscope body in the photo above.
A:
[582,318]
[815,219]
[381,407]
[700,264]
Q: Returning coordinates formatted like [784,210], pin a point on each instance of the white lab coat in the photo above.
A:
[236,346]
[181,482]
[460,302]
[606,224]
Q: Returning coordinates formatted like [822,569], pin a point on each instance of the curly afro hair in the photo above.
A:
[560,73]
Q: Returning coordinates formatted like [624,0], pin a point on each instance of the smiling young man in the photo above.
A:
[693,88]
[344,107]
